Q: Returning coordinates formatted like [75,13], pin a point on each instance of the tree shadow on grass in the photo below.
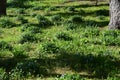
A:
[99,66]
[98,13]
[9,63]
[96,23]
[102,12]
[18,4]
[35,66]
[88,5]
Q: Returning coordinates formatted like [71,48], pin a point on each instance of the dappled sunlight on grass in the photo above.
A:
[58,40]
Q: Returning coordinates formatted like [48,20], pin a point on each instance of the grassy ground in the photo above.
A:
[53,40]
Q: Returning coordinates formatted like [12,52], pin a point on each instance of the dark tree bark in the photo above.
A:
[114,14]
[3,7]
[96,2]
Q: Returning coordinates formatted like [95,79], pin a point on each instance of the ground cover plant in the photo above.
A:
[58,40]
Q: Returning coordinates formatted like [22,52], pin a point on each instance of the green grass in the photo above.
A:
[56,46]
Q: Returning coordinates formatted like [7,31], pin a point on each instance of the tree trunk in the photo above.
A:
[96,2]
[3,7]
[114,14]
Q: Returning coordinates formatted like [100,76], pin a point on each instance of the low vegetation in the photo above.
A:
[53,40]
